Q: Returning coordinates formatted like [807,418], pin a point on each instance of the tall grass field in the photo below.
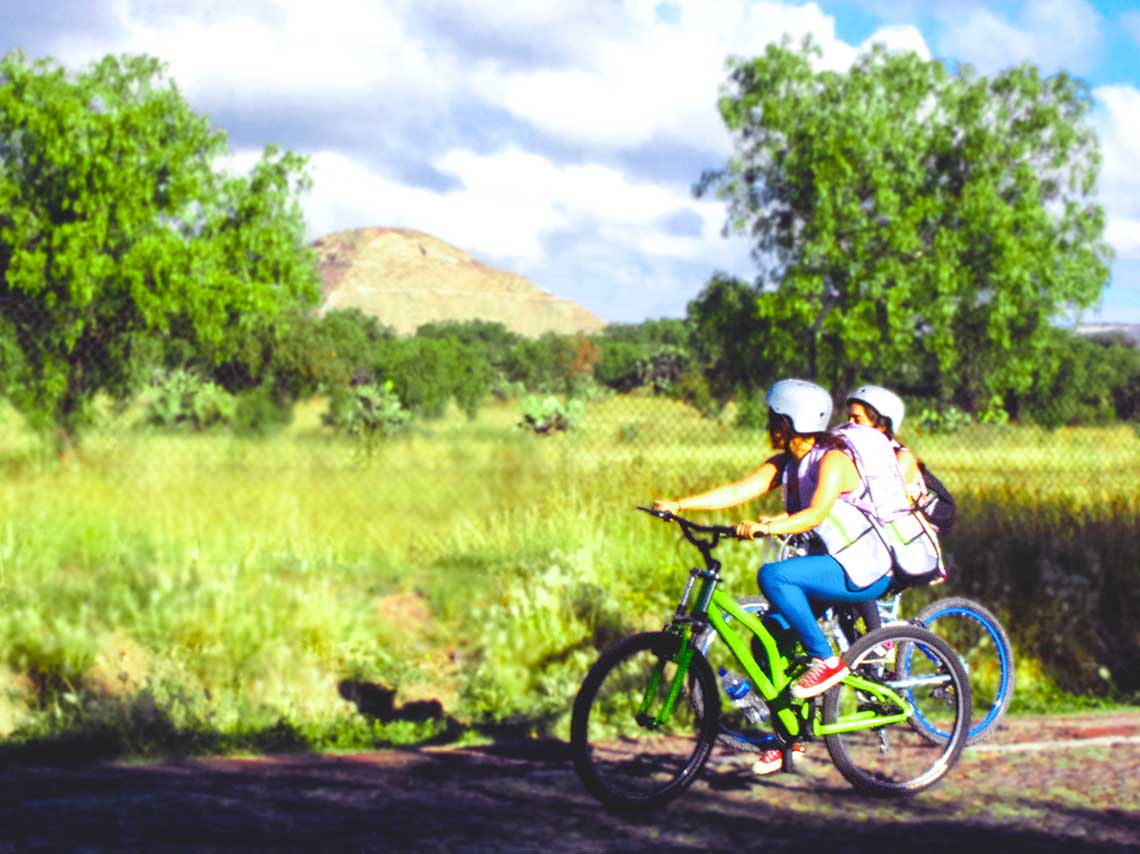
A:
[182,593]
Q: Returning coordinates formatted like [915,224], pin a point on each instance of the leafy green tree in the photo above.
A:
[347,341]
[553,363]
[649,334]
[118,226]
[911,223]
[426,373]
[1079,380]
[633,354]
[619,364]
[730,337]
[492,338]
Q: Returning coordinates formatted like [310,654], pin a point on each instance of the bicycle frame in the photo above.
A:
[709,609]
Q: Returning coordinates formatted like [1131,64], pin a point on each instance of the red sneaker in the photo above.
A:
[819,678]
[771,761]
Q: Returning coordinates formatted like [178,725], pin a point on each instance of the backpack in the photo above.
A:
[909,535]
[938,504]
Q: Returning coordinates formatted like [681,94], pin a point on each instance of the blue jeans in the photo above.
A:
[801,588]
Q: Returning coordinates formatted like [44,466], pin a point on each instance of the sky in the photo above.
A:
[561,140]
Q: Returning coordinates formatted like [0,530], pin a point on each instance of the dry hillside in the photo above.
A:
[406,278]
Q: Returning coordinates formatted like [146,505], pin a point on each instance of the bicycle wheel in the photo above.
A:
[622,758]
[987,655]
[896,760]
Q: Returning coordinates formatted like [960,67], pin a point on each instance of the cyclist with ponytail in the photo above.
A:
[824,493]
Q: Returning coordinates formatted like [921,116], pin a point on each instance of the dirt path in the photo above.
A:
[1044,784]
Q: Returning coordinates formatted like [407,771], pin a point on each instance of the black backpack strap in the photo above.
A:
[939,504]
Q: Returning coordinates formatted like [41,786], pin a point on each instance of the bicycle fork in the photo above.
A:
[656,719]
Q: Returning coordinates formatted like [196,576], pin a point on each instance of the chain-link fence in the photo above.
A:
[200,580]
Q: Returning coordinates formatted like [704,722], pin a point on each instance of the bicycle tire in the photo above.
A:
[621,761]
[987,655]
[896,760]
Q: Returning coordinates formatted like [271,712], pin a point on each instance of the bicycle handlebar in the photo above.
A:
[689,528]
[688,525]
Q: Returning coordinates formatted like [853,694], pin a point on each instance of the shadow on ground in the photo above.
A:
[524,796]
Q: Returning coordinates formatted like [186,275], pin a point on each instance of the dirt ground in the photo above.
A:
[1041,784]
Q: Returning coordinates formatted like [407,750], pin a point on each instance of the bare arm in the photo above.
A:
[911,475]
[837,475]
[750,486]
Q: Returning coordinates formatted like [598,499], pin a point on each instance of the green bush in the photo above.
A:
[259,413]
[544,415]
[994,412]
[534,643]
[752,411]
[948,419]
[181,398]
[692,388]
[370,413]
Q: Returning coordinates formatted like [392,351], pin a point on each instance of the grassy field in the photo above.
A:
[205,592]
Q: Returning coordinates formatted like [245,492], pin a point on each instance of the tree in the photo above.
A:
[911,224]
[1081,380]
[493,338]
[552,363]
[729,337]
[428,372]
[120,228]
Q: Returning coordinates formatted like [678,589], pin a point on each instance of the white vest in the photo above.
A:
[874,529]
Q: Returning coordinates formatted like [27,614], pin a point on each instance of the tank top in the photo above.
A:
[847,533]
[873,529]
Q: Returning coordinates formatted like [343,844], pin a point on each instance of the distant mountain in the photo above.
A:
[406,278]
[1128,331]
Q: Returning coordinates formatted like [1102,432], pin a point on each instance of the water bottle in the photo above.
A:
[743,697]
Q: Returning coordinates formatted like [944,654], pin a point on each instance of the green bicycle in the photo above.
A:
[642,728]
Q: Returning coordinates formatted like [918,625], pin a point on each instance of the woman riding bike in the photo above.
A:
[882,409]
[825,493]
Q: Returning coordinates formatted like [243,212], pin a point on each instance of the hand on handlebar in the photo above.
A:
[750,530]
[667,506]
[762,527]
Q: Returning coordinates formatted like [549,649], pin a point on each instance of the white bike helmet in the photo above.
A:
[883,401]
[807,405]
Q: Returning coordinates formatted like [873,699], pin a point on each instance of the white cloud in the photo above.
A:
[302,52]
[1053,34]
[508,202]
[1116,120]
[901,38]
[1123,234]
[661,81]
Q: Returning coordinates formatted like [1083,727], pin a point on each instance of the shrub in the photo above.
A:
[182,398]
[994,412]
[752,411]
[692,388]
[370,413]
[259,413]
[949,419]
[545,415]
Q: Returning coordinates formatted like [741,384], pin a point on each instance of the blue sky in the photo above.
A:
[561,140]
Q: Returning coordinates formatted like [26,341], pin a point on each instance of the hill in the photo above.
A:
[1124,331]
[406,278]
